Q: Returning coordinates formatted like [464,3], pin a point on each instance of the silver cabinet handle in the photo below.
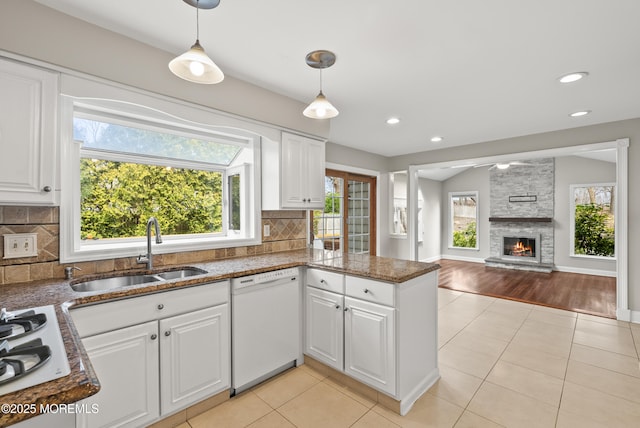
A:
[154,336]
[167,333]
[160,306]
[47,189]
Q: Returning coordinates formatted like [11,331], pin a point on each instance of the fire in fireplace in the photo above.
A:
[524,248]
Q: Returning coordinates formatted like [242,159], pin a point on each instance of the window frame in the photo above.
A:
[474,194]
[572,221]
[73,249]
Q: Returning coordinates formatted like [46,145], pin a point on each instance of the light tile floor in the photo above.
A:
[502,363]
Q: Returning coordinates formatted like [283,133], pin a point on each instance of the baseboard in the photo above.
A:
[431,259]
[632,316]
[596,272]
[462,258]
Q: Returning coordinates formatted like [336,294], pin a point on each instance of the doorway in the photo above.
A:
[348,221]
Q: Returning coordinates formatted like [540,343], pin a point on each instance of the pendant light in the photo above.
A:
[320,108]
[194,65]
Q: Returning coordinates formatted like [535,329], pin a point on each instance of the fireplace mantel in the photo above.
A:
[521,219]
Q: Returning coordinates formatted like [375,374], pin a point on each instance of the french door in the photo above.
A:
[348,221]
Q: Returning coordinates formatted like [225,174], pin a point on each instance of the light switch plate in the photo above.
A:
[20,245]
[267,230]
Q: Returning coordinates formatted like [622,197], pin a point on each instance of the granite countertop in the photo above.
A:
[82,382]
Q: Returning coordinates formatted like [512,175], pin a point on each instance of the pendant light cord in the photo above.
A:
[198,20]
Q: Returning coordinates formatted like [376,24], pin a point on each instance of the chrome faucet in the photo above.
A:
[148,258]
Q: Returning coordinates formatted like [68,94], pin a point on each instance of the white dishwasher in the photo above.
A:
[265,329]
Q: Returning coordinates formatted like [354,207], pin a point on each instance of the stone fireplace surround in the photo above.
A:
[522,204]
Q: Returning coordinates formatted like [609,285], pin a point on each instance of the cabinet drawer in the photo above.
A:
[370,290]
[324,280]
[99,318]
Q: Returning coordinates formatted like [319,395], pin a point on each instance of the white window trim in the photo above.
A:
[473,193]
[72,249]
[572,220]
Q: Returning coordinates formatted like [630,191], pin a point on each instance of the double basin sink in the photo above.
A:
[113,282]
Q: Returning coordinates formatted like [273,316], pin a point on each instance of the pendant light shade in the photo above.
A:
[194,65]
[320,108]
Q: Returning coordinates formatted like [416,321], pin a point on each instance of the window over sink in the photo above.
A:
[127,163]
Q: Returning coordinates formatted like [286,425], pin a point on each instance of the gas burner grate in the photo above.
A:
[22,325]
[22,360]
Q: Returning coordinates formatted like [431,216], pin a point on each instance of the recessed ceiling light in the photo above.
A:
[393,121]
[580,113]
[436,139]
[573,77]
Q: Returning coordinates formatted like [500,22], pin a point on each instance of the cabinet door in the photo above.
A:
[369,341]
[195,350]
[302,172]
[293,174]
[324,327]
[126,362]
[315,172]
[27,134]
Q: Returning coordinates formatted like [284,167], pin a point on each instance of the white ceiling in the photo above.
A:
[468,70]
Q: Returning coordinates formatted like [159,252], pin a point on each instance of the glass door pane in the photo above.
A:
[359,205]
[327,223]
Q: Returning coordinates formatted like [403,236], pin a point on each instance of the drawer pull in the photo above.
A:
[322,281]
[160,306]
[366,290]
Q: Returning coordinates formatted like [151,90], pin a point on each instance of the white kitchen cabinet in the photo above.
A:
[176,353]
[126,362]
[49,420]
[195,357]
[369,344]
[348,334]
[324,327]
[293,173]
[385,334]
[27,134]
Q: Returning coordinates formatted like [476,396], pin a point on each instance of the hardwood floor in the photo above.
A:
[589,294]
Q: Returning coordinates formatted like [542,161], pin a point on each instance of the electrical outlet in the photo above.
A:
[267,230]
[20,245]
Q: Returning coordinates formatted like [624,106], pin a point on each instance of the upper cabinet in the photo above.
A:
[293,173]
[27,134]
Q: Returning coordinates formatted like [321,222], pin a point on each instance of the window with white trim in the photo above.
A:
[127,167]
[463,220]
[592,220]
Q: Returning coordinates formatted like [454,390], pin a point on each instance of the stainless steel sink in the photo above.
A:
[113,282]
[178,274]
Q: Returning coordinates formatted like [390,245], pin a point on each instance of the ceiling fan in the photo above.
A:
[503,165]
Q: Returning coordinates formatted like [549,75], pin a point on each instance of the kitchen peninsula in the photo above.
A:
[368,282]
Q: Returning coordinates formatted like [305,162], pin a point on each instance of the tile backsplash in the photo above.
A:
[287,232]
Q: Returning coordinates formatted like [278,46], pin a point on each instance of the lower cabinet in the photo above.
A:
[150,370]
[325,327]
[369,344]
[353,336]
[194,356]
[127,364]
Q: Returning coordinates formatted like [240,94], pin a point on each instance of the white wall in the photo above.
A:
[472,179]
